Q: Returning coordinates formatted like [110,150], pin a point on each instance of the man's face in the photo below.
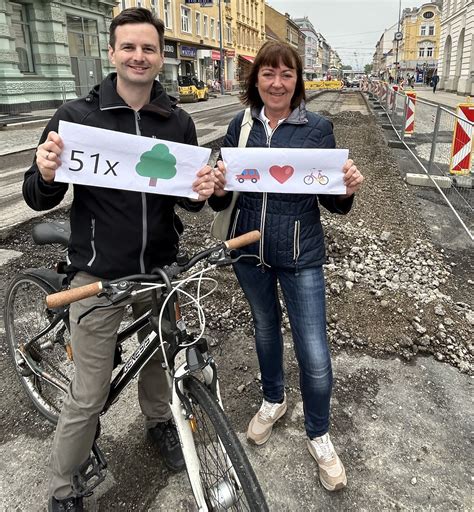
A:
[137,54]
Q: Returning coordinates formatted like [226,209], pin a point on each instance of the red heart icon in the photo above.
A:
[281,174]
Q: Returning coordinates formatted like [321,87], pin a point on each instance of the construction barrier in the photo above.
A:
[461,148]
[383,92]
[311,85]
[410,114]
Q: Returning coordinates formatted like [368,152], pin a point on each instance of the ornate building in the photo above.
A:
[50,51]
[456,58]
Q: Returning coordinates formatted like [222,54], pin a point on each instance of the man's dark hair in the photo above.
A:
[137,15]
[272,53]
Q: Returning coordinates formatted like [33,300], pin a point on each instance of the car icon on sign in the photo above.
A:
[248,174]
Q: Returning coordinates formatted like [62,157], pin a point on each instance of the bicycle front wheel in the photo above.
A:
[227,477]
[25,315]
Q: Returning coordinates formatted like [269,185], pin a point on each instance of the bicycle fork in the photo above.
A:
[184,425]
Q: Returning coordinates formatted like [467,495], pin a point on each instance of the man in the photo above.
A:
[434,81]
[114,233]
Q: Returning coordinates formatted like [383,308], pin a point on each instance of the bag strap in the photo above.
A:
[245,127]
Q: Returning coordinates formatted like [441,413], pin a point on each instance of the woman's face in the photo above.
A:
[276,87]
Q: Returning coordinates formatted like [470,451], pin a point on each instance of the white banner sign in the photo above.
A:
[290,171]
[104,158]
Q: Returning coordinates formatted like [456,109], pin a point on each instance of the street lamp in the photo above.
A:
[221,50]
[398,38]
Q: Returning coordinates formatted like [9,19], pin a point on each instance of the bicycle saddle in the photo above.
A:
[56,232]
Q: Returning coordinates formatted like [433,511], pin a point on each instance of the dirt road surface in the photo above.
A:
[400,327]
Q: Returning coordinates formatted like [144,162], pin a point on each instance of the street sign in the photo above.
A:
[398,36]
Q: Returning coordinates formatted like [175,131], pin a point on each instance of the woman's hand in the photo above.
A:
[219,179]
[47,156]
[352,178]
[204,184]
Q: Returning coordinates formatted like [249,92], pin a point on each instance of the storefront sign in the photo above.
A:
[170,50]
[215,55]
[230,53]
[188,51]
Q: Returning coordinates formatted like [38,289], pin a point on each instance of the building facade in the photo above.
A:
[456,58]
[419,48]
[310,56]
[50,51]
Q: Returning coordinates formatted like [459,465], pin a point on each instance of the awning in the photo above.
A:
[248,58]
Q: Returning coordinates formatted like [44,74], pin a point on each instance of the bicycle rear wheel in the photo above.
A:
[227,477]
[25,315]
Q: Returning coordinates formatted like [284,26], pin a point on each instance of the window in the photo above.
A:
[429,52]
[421,52]
[198,23]
[83,37]
[168,13]
[205,26]
[213,30]
[228,32]
[21,31]
[431,30]
[185,21]
[428,14]
[218,33]
[423,30]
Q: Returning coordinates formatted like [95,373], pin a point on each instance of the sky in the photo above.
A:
[351,27]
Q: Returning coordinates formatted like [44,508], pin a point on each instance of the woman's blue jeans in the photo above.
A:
[304,294]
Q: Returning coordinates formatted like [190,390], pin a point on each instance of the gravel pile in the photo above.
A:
[390,291]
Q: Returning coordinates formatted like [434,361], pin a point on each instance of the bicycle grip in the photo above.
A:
[242,240]
[58,299]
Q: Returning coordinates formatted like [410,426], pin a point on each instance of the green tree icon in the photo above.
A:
[157,163]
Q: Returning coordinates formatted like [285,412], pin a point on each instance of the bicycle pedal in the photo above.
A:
[90,474]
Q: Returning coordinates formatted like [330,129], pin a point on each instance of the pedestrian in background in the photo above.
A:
[434,81]
[114,233]
[291,252]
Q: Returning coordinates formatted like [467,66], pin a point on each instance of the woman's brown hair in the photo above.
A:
[272,53]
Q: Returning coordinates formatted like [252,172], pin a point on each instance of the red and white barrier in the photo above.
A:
[393,95]
[461,148]
[383,92]
[410,114]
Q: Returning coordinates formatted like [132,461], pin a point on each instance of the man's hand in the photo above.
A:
[219,179]
[204,184]
[352,178]
[47,156]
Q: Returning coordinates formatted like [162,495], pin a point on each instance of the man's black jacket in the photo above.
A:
[117,232]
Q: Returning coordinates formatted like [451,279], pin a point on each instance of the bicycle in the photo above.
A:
[218,469]
[311,178]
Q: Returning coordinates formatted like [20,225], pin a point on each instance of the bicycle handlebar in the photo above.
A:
[55,300]
[58,299]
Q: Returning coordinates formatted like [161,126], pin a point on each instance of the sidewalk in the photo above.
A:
[444,98]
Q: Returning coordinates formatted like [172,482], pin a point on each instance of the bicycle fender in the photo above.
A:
[48,276]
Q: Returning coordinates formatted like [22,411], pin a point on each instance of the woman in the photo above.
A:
[291,252]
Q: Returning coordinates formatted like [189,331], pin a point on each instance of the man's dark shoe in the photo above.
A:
[165,437]
[72,504]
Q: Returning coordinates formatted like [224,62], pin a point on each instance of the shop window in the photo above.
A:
[21,30]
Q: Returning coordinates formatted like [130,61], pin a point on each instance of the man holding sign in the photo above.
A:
[114,233]
[282,191]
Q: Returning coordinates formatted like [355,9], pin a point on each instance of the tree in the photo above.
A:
[368,69]
[157,163]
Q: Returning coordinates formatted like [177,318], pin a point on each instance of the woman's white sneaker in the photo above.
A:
[331,470]
[260,426]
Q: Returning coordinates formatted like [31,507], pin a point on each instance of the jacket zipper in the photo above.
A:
[296,241]
[94,252]
[264,201]
[234,224]
[144,207]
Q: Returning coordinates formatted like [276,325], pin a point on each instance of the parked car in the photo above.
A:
[191,89]
[248,174]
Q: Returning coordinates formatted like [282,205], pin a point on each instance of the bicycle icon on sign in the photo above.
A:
[312,177]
